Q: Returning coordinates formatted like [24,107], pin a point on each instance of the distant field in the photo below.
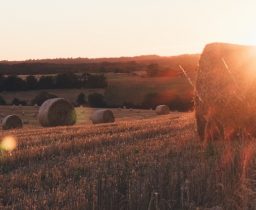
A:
[128,88]
[29,114]
[123,87]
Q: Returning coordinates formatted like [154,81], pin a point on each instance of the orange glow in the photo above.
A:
[8,143]
[228,156]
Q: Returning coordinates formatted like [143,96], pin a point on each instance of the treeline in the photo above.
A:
[92,100]
[81,65]
[97,100]
[55,68]
[59,81]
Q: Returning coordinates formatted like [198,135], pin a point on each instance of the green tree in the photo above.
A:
[42,97]
[31,82]
[96,100]
[81,99]
[46,82]
[2,101]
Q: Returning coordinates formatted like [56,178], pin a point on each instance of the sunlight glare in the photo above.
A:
[8,143]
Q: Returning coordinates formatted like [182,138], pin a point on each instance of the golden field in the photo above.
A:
[135,163]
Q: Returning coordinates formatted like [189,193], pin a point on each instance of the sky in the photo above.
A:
[34,29]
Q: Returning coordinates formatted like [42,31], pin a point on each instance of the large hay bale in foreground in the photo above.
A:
[11,122]
[162,110]
[225,100]
[56,112]
[102,116]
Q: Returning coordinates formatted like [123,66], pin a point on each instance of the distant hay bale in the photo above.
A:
[56,112]
[11,122]
[226,91]
[102,116]
[162,110]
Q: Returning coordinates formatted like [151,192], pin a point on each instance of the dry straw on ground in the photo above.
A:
[102,116]
[226,91]
[162,110]
[56,112]
[11,122]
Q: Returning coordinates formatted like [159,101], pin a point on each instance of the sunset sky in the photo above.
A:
[113,28]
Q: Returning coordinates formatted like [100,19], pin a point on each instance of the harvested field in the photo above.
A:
[29,114]
[155,163]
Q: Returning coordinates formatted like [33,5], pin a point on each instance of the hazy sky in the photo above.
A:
[110,28]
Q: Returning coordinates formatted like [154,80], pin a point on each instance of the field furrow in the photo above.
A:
[141,164]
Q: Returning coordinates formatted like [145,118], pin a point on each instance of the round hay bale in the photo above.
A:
[225,90]
[162,110]
[102,116]
[11,122]
[56,112]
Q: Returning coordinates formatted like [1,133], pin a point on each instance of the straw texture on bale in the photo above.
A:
[11,122]
[225,96]
[102,116]
[162,110]
[56,112]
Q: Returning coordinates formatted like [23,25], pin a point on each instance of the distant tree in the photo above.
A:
[81,99]
[96,81]
[42,97]
[31,82]
[46,82]
[129,105]
[2,79]
[175,102]
[67,80]
[150,100]
[96,100]
[84,80]
[17,102]
[14,83]
[2,101]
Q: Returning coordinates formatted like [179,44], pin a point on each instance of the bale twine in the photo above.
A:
[225,91]
[162,110]
[56,112]
[102,116]
[11,122]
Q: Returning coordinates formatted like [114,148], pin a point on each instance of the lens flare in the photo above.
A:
[8,143]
